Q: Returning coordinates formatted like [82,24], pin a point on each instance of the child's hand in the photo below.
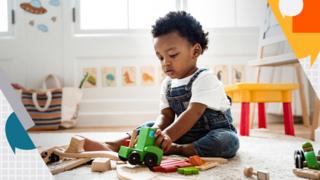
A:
[163,140]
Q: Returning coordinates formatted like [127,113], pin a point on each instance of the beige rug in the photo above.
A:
[262,150]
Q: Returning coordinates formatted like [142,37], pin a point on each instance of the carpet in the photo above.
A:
[262,150]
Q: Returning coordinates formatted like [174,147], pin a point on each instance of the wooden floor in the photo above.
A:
[300,130]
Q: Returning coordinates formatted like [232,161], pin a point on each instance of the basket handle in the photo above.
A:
[36,104]
[56,81]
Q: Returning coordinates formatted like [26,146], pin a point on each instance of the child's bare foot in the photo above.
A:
[182,149]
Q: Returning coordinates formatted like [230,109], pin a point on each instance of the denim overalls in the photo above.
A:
[213,134]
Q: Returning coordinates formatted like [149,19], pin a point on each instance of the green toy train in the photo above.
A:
[144,152]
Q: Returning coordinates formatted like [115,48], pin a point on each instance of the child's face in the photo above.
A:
[176,55]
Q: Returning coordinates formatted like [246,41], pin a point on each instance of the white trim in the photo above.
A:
[10,33]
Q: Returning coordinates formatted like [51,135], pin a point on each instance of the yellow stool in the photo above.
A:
[245,93]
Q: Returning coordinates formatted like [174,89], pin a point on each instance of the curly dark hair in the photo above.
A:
[185,24]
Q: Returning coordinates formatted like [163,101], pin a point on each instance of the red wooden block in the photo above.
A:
[126,142]
[170,165]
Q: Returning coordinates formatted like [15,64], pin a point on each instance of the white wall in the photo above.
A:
[30,54]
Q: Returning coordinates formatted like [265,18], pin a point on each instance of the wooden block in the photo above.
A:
[196,160]
[133,138]
[263,175]
[215,159]
[68,165]
[307,173]
[188,170]
[171,165]
[76,145]
[126,143]
[207,165]
[101,164]
[87,154]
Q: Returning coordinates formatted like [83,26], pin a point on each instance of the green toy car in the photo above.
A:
[144,151]
[306,158]
[310,156]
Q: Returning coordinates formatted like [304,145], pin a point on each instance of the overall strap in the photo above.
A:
[168,86]
[194,77]
[188,86]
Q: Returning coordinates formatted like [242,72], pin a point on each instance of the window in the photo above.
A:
[106,15]
[103,14]
[4,24]
[213,13]
[95,16]
[138,9]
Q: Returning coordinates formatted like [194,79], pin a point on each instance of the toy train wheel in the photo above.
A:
[150,160]
[134,158]
[54,158]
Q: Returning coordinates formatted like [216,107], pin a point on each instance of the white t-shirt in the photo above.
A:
[206,89]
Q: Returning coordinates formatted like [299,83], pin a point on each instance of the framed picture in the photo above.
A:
[90,77]
[147,74]
[108,76]
[222,73]
[238,73]
[128,76]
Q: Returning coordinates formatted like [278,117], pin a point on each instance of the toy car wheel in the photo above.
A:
[299,152]
[298,161]
[134,158]
[150,160]
[302,155]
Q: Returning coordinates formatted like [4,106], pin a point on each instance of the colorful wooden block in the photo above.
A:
[188,170]
[195,160]
[171,165]
[126,143]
